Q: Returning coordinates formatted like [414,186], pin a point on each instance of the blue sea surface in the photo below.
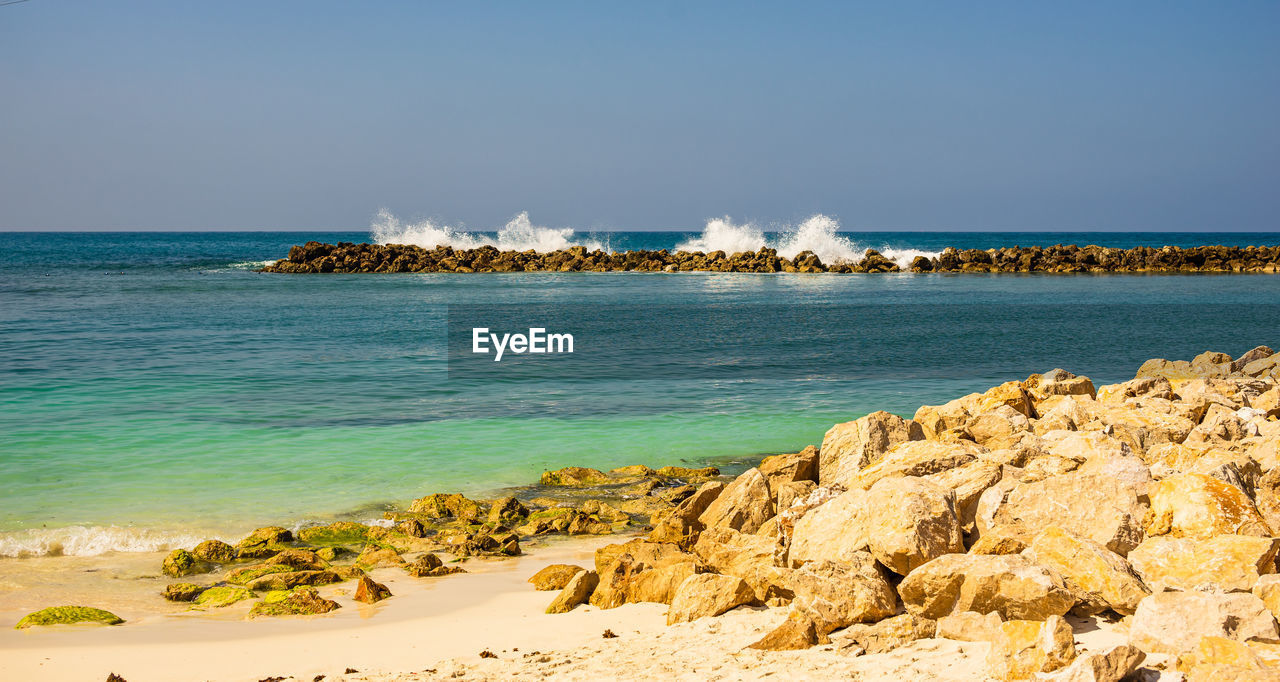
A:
[155,381]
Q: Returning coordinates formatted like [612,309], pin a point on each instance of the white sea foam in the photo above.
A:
[519,234]
[818,234]
[91,541]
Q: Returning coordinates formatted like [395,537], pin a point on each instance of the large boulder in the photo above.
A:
[970,626]
[999,427]
[836,594]
[835,530]
[681,526]
[708,594]
[1094,506]
[576,591]
[1112,665]
[639,571]
[1196,505]
[1218,659]
[795,633]
[180,562]
[744,505]
[370,592]
[791,467]
[910,521]
[1009,394]
[448,506]
[918,458]
[1009,584]
[888,634]
[1100,578]
[1174,622]
[750,557]
[1056,382]
[68,615]
[1024,648]
[936,420]
[967,483]
[1219,563]
[853,446]
[1268,590]
[215,551]
[554,577]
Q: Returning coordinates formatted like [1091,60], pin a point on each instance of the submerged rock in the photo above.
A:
[67,615]
[338,533]
[180,562]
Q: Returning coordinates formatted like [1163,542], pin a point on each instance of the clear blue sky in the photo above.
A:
[634,115]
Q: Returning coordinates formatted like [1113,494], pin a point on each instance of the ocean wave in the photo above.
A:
[818,234]
[519,234]
[92,541]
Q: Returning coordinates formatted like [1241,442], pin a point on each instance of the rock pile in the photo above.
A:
[994,516]
[317,257]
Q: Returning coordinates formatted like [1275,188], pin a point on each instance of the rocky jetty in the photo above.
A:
[346,257]
[993,518]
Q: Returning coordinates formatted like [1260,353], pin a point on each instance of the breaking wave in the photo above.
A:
[91,541]
[818,234]
[519,234]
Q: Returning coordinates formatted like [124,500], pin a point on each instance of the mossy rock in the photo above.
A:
[218,597]
[507,511]
[215,551]
[298,559]
[303,601]
[180,562]
[333,553]
[182,591]
[374,556]
[291,579]
[574,476]
[246,575]
[264,542]
[688,474]
[448,506]
[339,533]
[66,615]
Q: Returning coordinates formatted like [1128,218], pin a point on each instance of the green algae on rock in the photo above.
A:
[215,551]
[218,597]
[246,575]
[337,533]
[303,601]
[180,562]
[182,591]
[67,615]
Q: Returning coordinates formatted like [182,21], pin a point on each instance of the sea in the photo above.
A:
[156,389]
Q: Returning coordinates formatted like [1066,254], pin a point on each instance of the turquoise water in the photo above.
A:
[155,382]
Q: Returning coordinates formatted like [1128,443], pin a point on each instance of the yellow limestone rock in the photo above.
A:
[850,447]
[1268,590]
[1094,506]
[936,420]
[1113,665]
[1174,622]
[1219,658]
[1195,505]
[744,505]
[708,594]
[970,626]
[909,522]
[836,530]
[1009,394]
[838,594]
[918,458]
[968,482]
[1023,648]
[1100,578]
[749,557]
[1220,563]
[1011,585]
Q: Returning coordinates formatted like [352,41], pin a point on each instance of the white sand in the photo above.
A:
[435,628]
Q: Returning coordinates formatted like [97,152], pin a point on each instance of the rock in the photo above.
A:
[218,597]
[795,633]
[652,573]
[682,526]
[180,562]
[835,530]
[1220,563]
[370,592]
[688,474]
[918,458]
[890,633]
[574,476]
[292,579]
[507,511]
[658,585]
[182,591]
[298,559]
[649,554]
[970,626]
[553,577]
[1255,354]
[1268,590]
[851,447]
[333,553]
[377,557]
[968,482]
[245,575]
[838,594]
[994,544]
[744,505]
[1009,394]
[787,494]
[1056,382]
[750,557]
[264,542]
[576,591]
[1113,665]
[215,551]
[1174,622]
[338,533]
[1219,658]
[708,594]
[1024,648]
[1097,507]
[1010,585]
[789,468]
[66,615]
[303,601]
[1100,578]
[1195,505]
[452,506]
[999,427]
[412,528]
[910,521]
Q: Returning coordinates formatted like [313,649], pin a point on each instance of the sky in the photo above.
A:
[640,115]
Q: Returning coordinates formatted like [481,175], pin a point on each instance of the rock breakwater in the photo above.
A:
[347,257]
